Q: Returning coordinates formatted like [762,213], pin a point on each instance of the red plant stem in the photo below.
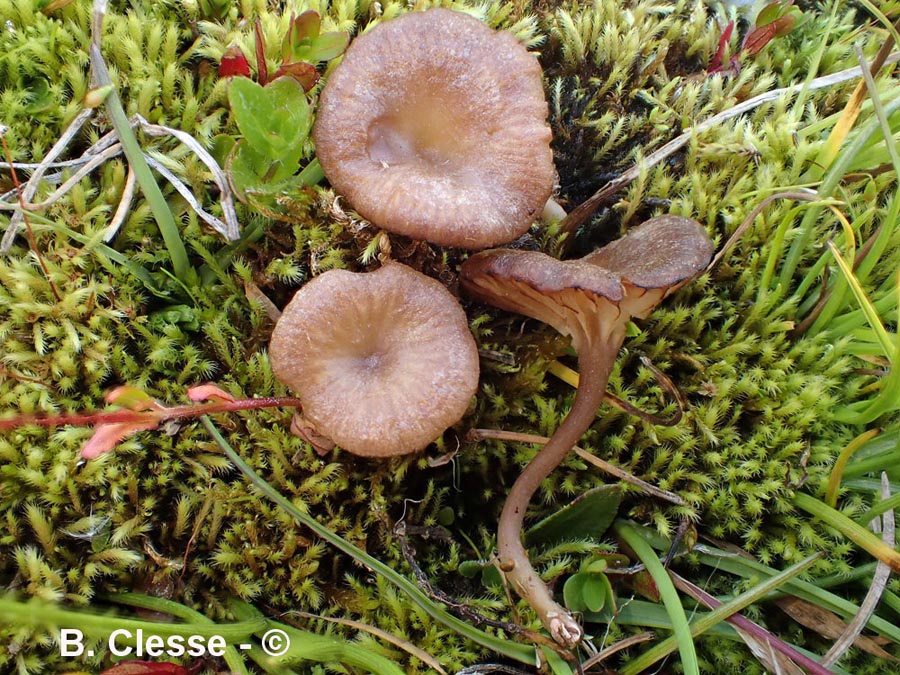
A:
[262,69]
[595,364]
[750,627]
[137,416]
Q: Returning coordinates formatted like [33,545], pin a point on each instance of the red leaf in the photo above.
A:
[758,38]
[146,668]
[784,24]
[234,63]
[107,436]
[307,25]
[262,69]
[205,392]
[305,73]
[716,63]
[645,586]
[303,30]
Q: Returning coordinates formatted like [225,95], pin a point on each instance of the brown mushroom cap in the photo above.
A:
[382,362]
[434,126]
[554,291]
[633,273]
[659,253]
[655,259]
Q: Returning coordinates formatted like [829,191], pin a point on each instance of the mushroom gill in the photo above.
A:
[434,126]
[591,300]
[382,362]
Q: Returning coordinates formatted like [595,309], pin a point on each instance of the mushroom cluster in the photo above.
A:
[591,300]
[434,126]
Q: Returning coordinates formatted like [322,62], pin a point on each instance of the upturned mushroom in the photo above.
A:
[591,300]
[434,126]
[382,362]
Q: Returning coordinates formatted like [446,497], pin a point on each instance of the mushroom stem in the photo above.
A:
[595,364]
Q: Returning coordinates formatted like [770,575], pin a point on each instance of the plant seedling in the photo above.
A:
[776,19]
[274,117]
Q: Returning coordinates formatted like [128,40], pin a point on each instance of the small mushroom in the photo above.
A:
[591,300]
[382,362]
[434,126]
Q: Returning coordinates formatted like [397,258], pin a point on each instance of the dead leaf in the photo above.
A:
[255,295]
[828,624]
[107,436]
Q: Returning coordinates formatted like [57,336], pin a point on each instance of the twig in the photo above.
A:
[84,170]
[188,196]
[500,435]
[31,240]
[160,413]
[485,668]
[30,166]
[799,195]
[583,211]
[876,588]
[122,210]
[571,377]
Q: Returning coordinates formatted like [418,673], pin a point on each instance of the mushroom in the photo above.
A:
[434,126]
[382,362]
[591,300]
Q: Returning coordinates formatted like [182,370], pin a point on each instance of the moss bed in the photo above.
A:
[767,393]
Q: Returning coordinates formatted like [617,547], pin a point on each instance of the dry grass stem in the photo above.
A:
[876,588]
[516,437]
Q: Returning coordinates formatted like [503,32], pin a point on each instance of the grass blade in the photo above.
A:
[137,162]
[682,639]
[850,529]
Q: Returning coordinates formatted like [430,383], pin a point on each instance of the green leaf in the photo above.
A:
[275,119]
[131,398]
[573,592]
[470,568]
[594,592]
[588,517]
[304,29]
[769,13]
[329,46]
[491,577]
[597,566]
[221,146]
[558,665]
[250,171]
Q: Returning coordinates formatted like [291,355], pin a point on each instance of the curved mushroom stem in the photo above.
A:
[595,362]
